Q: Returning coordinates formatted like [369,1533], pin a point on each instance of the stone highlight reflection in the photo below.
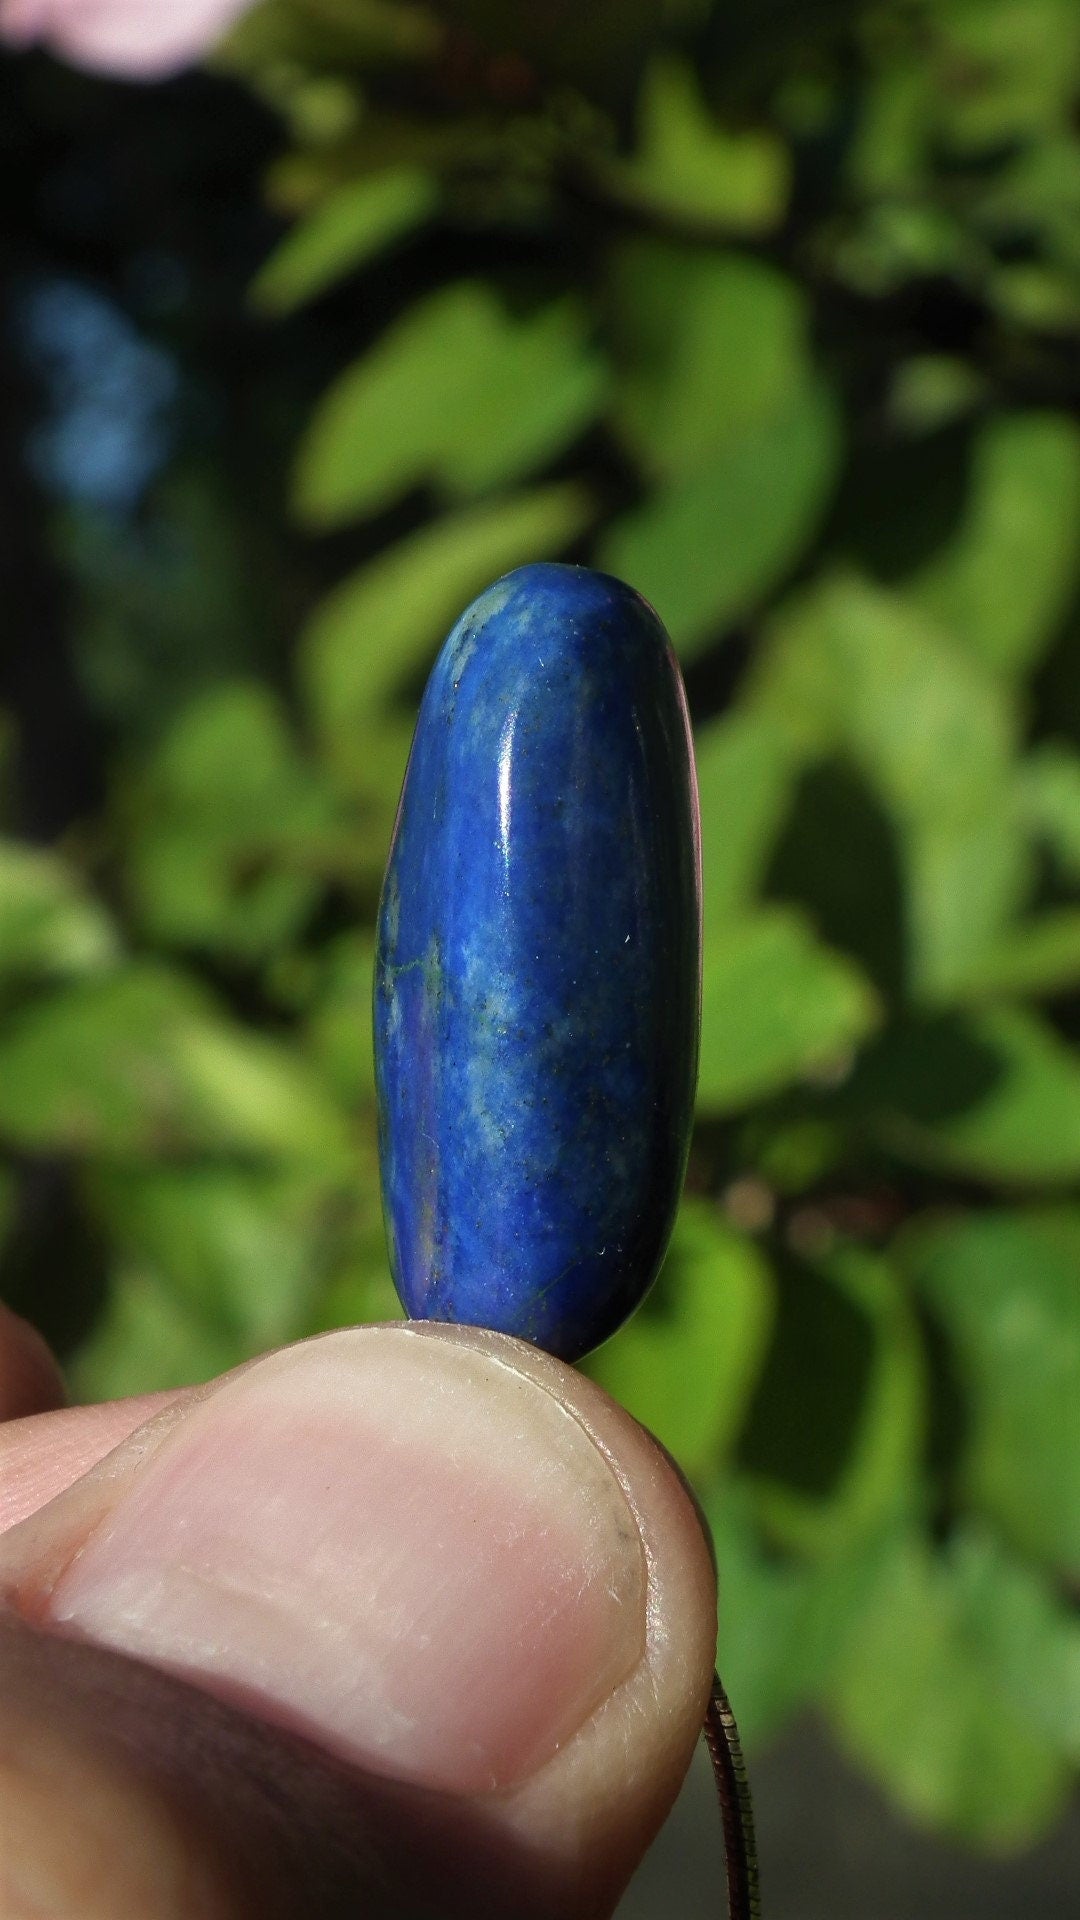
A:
[537,984]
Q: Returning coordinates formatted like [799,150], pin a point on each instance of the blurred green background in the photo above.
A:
[773,309]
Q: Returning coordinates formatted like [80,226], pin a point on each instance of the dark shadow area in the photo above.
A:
[54,1262]
[924,1070]
[1054,703]
[900,501]
[713,680]
[948,1418]
[808,1400]
[839,859]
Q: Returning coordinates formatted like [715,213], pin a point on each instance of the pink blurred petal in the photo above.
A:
[24,21]
[139,39]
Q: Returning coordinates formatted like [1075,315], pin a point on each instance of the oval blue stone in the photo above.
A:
[537,985]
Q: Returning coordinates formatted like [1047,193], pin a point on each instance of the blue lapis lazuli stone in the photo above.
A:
[537,988]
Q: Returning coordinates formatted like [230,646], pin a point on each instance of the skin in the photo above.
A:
[405,1621]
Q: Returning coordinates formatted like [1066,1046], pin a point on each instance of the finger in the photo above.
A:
[45,1452]
[448,1562]
[30,1378]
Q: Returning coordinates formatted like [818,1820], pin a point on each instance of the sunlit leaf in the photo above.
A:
[994,1094]
[1027,1634]
[705,550]
[686,1363]
[852,664]
[1034,189]
[142,1065]
[776,1006]
[828,1477]
[868,674]
[966,883]
[238,1247]
[1006,1287]
[339,1025]
[914,1703]
[837,857]
[1025,59]
[1003,581]
[1037,296]
[889,152]
[745,775]
[710,348]
[230,829]
[347,229]
[932,389]
[459,394]
[904,238]
[688,167]
[346,31]
[782,1621]
[49,926]
[1050,801]
[149,1338]
[1036,956]
[375,631]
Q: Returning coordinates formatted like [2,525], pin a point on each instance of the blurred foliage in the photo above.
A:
[776,312]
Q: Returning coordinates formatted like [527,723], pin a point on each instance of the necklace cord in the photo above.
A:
[736,1811]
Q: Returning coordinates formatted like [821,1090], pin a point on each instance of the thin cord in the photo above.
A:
[736,1812]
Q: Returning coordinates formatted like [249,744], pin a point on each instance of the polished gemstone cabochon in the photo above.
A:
[537,988]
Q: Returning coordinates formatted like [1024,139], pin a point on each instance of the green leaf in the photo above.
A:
[932,389]
[49,928]
[230,829]
[776,1007]
[362,1295]
[382,625]
[688,168]
[1034,296]
[888,153]
[782,1621]
[1025,58]
[705,550]
[899,240]
[837,859]
[685,1364]
[852,665]
[142,1065]
[1034,192]
[350,227]
[745,774]
[994,1095]
[339,1024]
[1050,802]
[1028,1637]
[149,1339]
[330,33]
[966,881]
[238,1248]
[1002,583]
[914,1704]
[794,1151]
[1038,956]
[856,671]
[711,348]
[458,394]
[1006,1287]
[828,1477]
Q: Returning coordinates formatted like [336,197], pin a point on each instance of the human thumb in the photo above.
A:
[398,1621]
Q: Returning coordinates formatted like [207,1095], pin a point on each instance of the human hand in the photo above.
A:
[403,1621]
